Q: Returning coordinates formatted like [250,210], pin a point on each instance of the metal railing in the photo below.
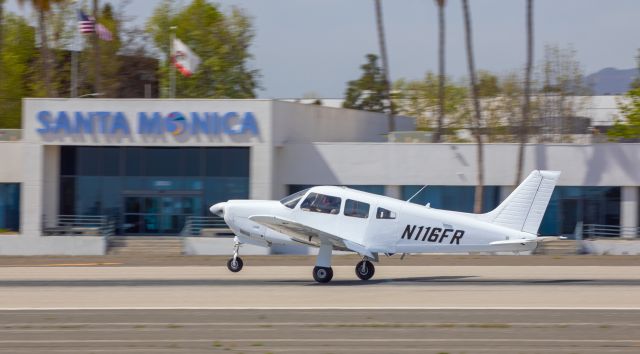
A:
[10,134]
[596,230]
[81,225]
[195,224]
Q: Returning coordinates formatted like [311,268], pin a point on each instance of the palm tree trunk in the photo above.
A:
[45,53]
[526,112]
[1,34]
[385,65]
[441,70]
[477,205]
[96,52]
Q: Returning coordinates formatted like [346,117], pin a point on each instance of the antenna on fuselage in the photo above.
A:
[418,192]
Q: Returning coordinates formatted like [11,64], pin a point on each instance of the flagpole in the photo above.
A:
[74,73]
[172,68]
[73,91]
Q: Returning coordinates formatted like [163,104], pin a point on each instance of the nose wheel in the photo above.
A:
[235,263]
[365,270]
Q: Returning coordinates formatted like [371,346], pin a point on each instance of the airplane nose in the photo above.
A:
[218,209]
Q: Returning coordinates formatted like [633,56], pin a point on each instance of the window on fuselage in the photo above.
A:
[321,203]
[356,209]
[383,213]
[292,200]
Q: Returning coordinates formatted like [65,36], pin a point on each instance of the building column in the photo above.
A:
[51,185]
[629,206]
[261,172]
[31,195]
[393,191]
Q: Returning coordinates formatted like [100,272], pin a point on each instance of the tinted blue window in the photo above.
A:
[150,189]
[591,205]
[10,206]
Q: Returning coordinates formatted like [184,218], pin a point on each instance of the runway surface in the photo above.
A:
[276,309]
[320,331]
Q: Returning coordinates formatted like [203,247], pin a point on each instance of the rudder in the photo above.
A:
[525,206]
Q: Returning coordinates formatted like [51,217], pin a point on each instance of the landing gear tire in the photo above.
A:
[365,270]
[322,274]
[235,265]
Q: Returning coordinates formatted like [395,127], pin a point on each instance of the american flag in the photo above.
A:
[87,25]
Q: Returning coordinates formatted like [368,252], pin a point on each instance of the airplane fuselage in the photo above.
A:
[388,226]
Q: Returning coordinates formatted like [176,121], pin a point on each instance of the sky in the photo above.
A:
[314,47]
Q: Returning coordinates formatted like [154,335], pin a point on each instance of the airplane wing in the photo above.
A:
[308,235]
[522,241]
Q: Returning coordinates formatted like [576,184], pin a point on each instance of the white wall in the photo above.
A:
[455,164]
[10,162]
[312,123]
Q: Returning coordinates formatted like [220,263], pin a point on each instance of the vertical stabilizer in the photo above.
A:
[524,208]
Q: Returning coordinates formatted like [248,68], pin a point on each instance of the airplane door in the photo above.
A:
[383,227]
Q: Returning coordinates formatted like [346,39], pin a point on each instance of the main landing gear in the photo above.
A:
[365,270]
[235,263]
[322,274]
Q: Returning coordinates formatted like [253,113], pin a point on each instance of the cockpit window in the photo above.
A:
[356,209]
[383,213]
[321,203]
[292,200]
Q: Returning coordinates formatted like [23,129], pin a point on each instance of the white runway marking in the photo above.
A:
[613,308]
[305,340]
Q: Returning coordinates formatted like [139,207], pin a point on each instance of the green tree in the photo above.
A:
[488,84]
[1,36]
[17,56]
[103,60]
[562,95]
[477,120]
[367,93]
[42,8]
[629,128]
[421,99]
[221,41]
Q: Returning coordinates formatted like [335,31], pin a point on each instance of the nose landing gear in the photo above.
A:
[235,263]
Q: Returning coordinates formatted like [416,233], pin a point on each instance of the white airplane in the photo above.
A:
[340,218]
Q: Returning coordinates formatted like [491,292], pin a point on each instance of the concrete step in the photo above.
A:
[127,245]
[557,247]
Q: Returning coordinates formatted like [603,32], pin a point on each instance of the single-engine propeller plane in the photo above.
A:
[340,218]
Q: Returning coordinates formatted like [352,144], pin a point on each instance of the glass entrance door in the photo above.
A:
[158,214]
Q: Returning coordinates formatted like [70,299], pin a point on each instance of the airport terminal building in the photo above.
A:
[148,165]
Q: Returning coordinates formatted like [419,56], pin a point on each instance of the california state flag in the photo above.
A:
[184,59]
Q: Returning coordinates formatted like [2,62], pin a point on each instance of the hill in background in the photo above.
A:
[611,81]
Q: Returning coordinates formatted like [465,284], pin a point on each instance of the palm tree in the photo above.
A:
[96,52]
[42,7]
[385,65]
[1,32]
[441,72]
[526,112]
[477,205]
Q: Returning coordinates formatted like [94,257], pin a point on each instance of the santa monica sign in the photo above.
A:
[147,123]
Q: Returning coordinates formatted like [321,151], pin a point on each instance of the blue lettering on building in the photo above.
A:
[148,123]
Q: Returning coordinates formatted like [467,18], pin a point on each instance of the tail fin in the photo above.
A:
[524,208]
